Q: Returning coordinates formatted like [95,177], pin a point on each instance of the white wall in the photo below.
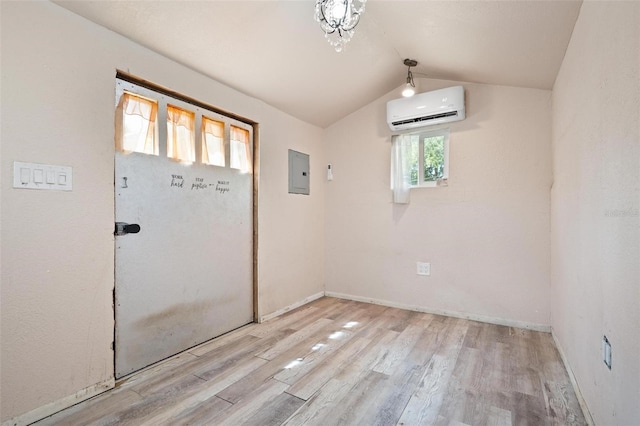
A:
[595,199]
[486,235]
[58,89]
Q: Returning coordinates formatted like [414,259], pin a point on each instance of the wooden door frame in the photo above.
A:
[256,184]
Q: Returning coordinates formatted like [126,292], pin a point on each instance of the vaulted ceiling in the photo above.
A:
[275,51]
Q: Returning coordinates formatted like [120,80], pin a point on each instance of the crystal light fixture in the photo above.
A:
[338,18]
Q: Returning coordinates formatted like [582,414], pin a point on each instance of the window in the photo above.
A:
[240,149]
[139,132]
[418,160]
[181,141]
[212,142]
[435,150]
[426,161]
[196,134]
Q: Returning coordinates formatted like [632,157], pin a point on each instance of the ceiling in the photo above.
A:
[276,52]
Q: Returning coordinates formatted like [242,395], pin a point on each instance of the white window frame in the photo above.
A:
[425,134]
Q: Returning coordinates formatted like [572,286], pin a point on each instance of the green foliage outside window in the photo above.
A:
[413,160]
[433,159]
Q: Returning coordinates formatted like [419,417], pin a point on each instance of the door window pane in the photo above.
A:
[138,131]
[212,142]
[181,142]
[240,149]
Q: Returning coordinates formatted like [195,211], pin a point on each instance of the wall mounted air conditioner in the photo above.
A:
[426,109]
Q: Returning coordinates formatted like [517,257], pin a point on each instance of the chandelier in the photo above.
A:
[338,18]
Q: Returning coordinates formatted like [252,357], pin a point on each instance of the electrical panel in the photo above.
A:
[298,173]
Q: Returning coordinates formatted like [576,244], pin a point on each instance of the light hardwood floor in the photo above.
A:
[339,362]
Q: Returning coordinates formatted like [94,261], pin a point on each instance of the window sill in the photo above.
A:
[433,184]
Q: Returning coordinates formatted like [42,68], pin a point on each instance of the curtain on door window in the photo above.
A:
[240,150]
[212,142]
[136,129]
[401,146]
[181,142]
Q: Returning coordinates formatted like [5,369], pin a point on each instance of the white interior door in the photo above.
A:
[187,275]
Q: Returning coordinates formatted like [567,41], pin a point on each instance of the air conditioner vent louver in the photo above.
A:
[426,109]
[427,118]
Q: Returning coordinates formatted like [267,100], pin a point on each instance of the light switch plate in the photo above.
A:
[42,176]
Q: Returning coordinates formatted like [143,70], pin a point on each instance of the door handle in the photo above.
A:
[125,228]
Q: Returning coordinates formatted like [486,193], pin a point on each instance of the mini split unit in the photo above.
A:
[426,109]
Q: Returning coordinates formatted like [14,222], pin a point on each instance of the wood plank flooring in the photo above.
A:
[339,362]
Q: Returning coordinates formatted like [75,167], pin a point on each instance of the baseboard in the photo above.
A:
[297,304]
[574,383]
[59,405]
[455,314]
[472,317]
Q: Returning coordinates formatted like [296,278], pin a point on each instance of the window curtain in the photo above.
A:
[136,129]
[181,142]
[213,142]
[400,173]
[240,150]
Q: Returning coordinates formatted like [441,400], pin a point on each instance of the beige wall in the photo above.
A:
[58,88]
[486,235]
[291,226]
[595,200]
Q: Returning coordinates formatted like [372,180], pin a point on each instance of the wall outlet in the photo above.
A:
[606,352]
[423,268]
